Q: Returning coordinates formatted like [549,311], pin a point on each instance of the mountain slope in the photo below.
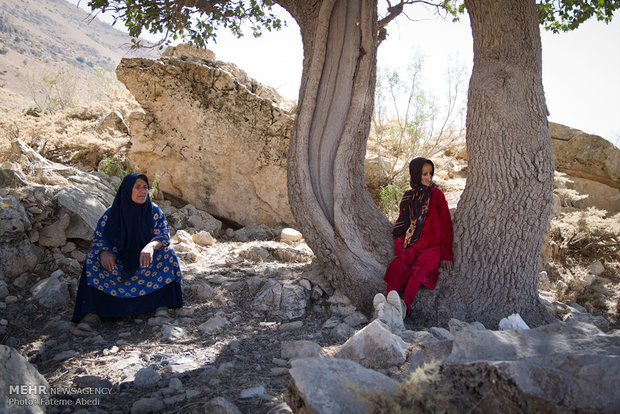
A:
[47,42]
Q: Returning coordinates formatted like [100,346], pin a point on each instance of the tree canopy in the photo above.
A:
[199,20]
[195,20]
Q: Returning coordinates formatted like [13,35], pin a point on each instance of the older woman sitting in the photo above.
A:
[131,268]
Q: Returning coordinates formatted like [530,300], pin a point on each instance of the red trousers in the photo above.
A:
[410,269]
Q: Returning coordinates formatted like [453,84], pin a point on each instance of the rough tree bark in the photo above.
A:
[502,215]
[504,210]
[327,192]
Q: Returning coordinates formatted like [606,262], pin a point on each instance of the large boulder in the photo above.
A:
[329,385]
[215,137]
[584,155]
[51,293]
[17,253]
[18,257]
[22,388]
[14,221]
[375,346]
[84,212]
[562,367]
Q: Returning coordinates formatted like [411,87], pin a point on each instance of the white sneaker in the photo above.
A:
[395,300]
[379,298]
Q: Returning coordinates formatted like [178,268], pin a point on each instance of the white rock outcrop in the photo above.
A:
[215,138]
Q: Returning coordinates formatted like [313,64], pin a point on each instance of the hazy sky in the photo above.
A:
[581,69]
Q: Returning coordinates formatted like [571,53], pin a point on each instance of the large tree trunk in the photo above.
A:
[503,213]
[327,192]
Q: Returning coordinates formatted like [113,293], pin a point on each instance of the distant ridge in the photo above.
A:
[42,37]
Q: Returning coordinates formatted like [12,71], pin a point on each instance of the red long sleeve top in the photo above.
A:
[437,228]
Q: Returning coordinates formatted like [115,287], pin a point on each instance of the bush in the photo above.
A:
[422,392]
[390,199]
[115,167]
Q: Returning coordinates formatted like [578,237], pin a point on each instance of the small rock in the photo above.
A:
[78,255]
[280,362]
[189,394]
[186,311]
[290,235]
[173,333]
[147,405]
[596,268]
[4,290]
[220,405]
[331,322]
[203,238]
[19,282]
[203,291]
[543,281]
[278,371]
[305,283]
[355,319]
[145,377]
[67,248]
[174,400]
[342,332]
[212,325]
[65,355]
[291,326]
[457,326]
[300,349]
[112,350]
[86,381]
[253,392]
[175,384]
[9,300]
[441,334]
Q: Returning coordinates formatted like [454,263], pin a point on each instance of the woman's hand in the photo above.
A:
[146,255]
[107,259]
[446,265]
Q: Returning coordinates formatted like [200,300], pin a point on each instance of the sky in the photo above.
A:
[581,69]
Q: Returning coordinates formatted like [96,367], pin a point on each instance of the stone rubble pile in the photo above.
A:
[256,335]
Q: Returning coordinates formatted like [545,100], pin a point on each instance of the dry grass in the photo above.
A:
[577,239]
[70,136]
[421,392]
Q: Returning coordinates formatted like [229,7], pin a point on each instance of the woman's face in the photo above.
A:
[427,174]
[140,191]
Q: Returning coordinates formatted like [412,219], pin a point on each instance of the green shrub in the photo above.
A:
[115,168]
[154,186]
[390,199]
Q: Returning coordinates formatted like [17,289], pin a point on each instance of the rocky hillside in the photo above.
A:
[55,41]
[257,334]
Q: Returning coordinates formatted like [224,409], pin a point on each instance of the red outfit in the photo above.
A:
[419,264]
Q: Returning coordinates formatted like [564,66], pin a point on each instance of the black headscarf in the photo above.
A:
[130,226]
[414,204]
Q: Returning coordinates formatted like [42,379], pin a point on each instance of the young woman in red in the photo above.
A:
[422,238]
